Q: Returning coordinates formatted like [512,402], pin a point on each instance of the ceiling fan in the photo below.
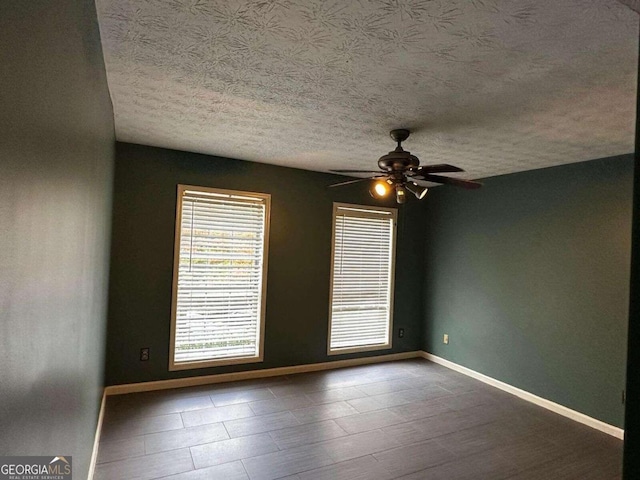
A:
[399,170]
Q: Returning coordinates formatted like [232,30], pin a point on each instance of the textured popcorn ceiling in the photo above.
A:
[491,86]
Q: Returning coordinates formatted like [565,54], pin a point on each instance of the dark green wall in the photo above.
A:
[632,410]
[56,160]
[297,309]
[529,276]
[631,469]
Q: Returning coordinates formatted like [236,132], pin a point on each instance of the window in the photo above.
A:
[362,278]
[219,276]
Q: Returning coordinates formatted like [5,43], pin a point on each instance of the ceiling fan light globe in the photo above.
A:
[417,190]
[401,194]
[379,189]
[422,194]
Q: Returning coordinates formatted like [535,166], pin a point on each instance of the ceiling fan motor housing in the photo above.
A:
[398,160]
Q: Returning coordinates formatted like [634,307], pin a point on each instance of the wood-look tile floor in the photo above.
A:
[400,420]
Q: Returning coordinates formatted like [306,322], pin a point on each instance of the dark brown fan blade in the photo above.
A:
[439,168]
[458,182]
[355,171]
[350,181]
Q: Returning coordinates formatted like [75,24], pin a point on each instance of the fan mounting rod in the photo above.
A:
[399,160]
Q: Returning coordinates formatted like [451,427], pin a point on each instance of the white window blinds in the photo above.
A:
[362,278]
[219,276]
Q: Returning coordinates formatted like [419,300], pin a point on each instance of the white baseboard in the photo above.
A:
[96,439]
[530,397]
[251,374]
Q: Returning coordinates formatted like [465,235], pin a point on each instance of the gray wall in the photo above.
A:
[56,160]
[529,276]
[299,259]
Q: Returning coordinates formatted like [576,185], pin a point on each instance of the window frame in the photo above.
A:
[364,211]
[177,366]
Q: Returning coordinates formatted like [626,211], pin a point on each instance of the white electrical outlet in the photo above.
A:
[445,339]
